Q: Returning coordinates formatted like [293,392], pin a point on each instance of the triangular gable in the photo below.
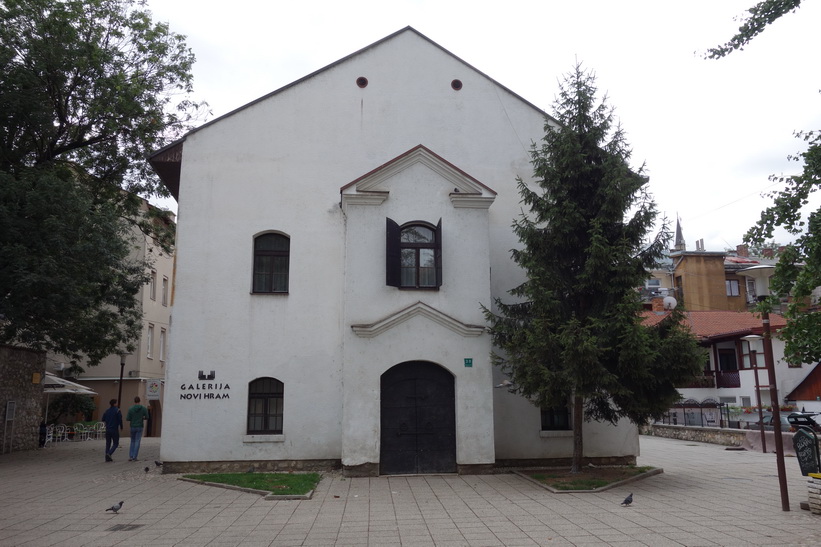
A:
[419,309]
[170,175]
[809,389]
[467,191]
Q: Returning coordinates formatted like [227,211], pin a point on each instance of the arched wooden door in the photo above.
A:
[418,420]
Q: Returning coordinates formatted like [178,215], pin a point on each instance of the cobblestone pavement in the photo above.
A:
[706,496]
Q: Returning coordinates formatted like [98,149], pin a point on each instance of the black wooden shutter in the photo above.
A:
[392,253]
[438,254]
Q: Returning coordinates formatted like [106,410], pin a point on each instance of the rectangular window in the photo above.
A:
[556,419]
[149,342]
[162,344]
[653,283]
[745,401]
[265,406]
[749,357]
[152,285]
[732,287]
[164,291]
[271,263]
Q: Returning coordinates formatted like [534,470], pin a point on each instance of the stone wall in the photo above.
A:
[714,435]
[17,367]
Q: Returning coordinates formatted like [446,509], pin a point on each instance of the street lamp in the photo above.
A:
[761,275]
[750,338]
[120,385]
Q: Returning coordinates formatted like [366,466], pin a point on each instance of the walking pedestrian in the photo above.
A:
[113,420]
[136,415]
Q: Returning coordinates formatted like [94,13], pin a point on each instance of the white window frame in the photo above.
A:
[165,290]
[152,285]
[163,341]
[149,342]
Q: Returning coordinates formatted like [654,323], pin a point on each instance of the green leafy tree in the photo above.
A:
[87,89]
[760,15]
[70,404]
[798,271]
[575,331]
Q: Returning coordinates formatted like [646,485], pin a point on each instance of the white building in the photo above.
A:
[336,240]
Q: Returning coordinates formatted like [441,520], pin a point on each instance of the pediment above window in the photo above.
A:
[418,309]
[369,189]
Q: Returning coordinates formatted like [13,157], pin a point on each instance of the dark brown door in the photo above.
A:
[418,421]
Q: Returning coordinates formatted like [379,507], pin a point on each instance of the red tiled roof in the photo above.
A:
[718,324]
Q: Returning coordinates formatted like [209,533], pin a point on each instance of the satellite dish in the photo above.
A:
[669,303]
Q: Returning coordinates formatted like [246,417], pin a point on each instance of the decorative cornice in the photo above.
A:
[418,309]
[470,201]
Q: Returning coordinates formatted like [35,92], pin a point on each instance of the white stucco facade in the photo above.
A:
[326,162]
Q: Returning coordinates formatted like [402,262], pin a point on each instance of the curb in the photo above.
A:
[267,494]
[628,480]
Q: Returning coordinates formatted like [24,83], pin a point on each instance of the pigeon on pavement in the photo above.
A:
[115,508]
[158,464]
[628,500]
[147,470]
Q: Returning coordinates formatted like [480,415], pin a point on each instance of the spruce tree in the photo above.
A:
[574,332]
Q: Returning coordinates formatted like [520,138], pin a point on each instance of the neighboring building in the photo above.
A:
[144,370]
[703,280]
[730,371]
[337,239]
[807,395]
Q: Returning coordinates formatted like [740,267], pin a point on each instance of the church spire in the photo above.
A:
[679,245]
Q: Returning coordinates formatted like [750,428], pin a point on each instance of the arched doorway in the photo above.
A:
[418,420]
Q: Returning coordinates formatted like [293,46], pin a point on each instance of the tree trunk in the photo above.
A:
[578,442]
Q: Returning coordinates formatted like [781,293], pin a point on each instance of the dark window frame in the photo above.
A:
[393,255]
[263,279]
[556,418]
[265,391]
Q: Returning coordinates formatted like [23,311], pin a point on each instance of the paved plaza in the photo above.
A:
[706,496]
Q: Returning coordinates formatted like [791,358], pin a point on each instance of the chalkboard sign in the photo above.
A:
[806,450]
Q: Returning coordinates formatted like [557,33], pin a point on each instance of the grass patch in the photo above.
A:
[588,478]
[291,484]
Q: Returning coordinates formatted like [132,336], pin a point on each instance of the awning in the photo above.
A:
[55,384]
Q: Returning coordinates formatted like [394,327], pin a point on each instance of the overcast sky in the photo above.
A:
[710,132]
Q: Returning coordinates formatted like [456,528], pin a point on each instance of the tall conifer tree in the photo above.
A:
[574,333]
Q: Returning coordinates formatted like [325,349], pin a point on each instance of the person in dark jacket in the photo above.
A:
[113,420]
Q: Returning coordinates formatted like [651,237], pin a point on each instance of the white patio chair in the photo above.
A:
[49,435]
[81,432]
[99,430]
[60,433]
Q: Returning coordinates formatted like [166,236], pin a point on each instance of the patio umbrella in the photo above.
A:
[55,384]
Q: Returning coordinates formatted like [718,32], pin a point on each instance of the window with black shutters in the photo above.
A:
[414,255]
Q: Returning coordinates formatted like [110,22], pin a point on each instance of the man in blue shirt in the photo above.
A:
[113,420]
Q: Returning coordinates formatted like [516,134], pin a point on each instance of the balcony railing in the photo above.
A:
[728,379]
[700,381]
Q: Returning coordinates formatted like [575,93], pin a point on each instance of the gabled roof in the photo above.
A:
[166,161]
[716,325]
[809,388]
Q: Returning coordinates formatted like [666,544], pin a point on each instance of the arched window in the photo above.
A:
[265,405]
[271,261]
[414,255]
